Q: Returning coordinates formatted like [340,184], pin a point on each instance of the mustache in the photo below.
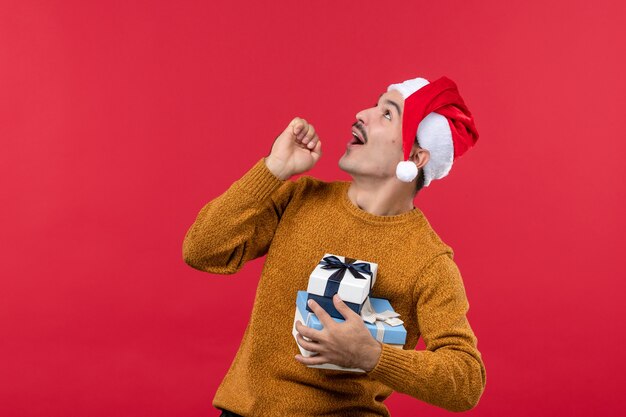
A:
[359,126]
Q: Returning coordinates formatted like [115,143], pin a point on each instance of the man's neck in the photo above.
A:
[381,198]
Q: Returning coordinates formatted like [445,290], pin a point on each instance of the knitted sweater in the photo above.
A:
[295,223]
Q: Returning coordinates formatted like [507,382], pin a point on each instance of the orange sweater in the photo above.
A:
[295,223]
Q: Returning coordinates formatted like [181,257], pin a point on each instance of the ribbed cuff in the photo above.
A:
[259,181]
[393,367]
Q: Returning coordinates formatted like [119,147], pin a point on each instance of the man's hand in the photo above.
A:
[295,150]
[348,344]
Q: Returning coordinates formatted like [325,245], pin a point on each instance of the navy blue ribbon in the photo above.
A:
[357,269]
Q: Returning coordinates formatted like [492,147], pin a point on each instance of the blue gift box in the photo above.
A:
[391,334]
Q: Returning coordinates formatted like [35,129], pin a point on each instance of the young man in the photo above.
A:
[409,139]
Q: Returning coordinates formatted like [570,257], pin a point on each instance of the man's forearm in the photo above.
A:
[450,379]
[225,234]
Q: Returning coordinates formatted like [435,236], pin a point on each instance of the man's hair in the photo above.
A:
[420,175]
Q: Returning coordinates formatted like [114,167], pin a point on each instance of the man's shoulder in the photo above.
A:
[309,186]
[306,190]
[429,241]
[314,181]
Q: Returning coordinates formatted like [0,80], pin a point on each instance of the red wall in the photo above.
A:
[119,120]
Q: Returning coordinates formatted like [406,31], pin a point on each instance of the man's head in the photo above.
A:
[376,146]
[416,124]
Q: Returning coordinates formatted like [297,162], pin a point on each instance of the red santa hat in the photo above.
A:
[437,115]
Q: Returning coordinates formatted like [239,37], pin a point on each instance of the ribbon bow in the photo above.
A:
[357,269]
[369,315]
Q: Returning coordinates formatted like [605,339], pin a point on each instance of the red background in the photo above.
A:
[119,120]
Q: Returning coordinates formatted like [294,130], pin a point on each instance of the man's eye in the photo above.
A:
[388,114]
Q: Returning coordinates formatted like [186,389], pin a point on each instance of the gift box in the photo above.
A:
[352,279]
[394,336]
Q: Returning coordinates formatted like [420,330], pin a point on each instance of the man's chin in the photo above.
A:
[343,164]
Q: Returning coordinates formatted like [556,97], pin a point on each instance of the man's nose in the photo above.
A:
[362,116]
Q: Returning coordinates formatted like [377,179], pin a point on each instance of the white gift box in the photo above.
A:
[351,289]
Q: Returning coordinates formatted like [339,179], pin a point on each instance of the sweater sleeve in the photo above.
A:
[450,373]
[239,225]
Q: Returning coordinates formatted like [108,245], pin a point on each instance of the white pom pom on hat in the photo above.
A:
[406,171]
[437,115]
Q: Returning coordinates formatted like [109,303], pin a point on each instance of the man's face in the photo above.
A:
[381,129]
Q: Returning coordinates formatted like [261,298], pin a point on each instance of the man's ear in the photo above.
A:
[419,156]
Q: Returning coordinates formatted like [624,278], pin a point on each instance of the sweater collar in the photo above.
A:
[412,215]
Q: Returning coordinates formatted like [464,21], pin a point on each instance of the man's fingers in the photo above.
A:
[306,331]
[316,152]
[321,314]
[310,144]
[310,134]
[298,129]
[296,124]
[312,360]
[343,309]
[304,134]
[310,140]
[308,345]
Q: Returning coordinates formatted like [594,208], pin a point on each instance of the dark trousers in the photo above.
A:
[226,413]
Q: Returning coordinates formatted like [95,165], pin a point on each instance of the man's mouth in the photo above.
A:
[358,137]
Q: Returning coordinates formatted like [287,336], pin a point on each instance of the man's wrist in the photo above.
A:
[276,170]
[372,356]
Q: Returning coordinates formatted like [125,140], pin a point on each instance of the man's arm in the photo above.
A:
[239,225]
[450,373]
